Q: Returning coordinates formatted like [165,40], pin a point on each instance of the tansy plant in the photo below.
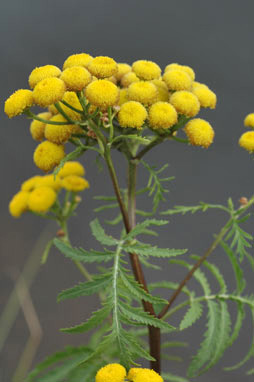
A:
[99,105]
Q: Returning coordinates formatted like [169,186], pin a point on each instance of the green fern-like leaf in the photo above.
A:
[140,228]
[193,209]
[192,315]
[137,314]
[209,344]
[82,255]
[100,234]
[86,289]
[95,320]
[147,250]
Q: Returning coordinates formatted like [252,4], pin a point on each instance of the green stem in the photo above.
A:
[48,122]
[155,142]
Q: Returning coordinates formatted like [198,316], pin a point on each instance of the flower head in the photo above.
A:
[41,199]
[185,68]
[49,91]
[185,103]
[144,375]
[18,102]
[102,66]
[51,181]
[76,78]
[246,141]
[206,97]
[146,70]
[102,93]
[132,114]
[80,59]
[58,133]
[162,115]
[37,128]
[19,204]
[74,183]
[162,89]
[122,69]
[42,72]
[142,91]
[111,373]
[249,120]
[71,168]
[177,79]
[29,184]
[199,132]
[47,155]
[128,78]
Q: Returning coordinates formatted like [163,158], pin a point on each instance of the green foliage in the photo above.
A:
[69,157]
[192,315]
[203,207]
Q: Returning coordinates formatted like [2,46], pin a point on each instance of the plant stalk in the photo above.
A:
[154,333]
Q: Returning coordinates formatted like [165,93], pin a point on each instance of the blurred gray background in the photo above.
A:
[216,39]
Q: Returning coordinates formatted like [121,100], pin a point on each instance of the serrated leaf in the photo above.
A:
[148,264]
[215,271]
[137,314]
[82,255]
[56,358]
[86,289]
[137,290]
[154,251]
[106,207]
[238,324]
[223,337]
[114,221]
[174,344]
[95,320]
[192,209]
[69,157]
[140,228]
[240,282]
[169,285]
[100,234]
[209,344]
[192,315]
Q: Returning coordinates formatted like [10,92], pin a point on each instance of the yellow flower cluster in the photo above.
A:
[115,372]
[39,193]
[141,94]
[246,140]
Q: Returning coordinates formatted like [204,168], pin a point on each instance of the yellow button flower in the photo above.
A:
[58,133]
[29,184]
[185,103]
[19,204]
[177,79]
[49,91]
[111,373]
[102,93]
[122,69]
[18,102]
[42,72]
[129,78]
[162,115]
[162,89]
[80,59]
[142,91]
[206,97]
[41,199]
[37,128]
[146,70]
[246,141]
[144,375]
[47,155]
[71,168]
[51,181]
[52,109]
[185,68]
[76,78]
[132,114]
[102,67]
[74,183]
[199,132]
[249,120]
